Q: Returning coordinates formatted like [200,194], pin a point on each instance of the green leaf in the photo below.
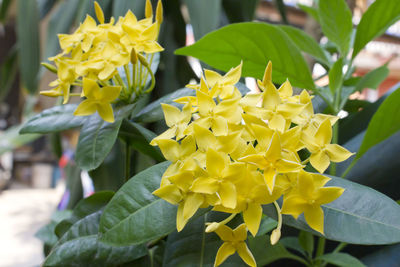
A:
[46,233]
[292,243]
[194,247]
[226,47]
[204,16]
[61,21]
[336,76]
[341,259]
[311,11]
[11,139]
[153,112]
[55,119]
[388,255]
[307,44]
[4,5]
[135,215]
[372,79]
[306,241]
[139,138]
[382,124]
[80,247]
[267,224]
[239,11]
[28,44]
[8,72]
[370,217]
[45,6]
[375,21]
[336,24]
[97,138]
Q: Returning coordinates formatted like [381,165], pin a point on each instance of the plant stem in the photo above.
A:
[335,138]
[128,77]
[127,161]
[341,246]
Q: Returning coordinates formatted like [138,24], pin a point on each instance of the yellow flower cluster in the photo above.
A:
[237,154]
[91,56]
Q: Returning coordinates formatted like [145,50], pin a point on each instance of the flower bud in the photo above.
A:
[275,236]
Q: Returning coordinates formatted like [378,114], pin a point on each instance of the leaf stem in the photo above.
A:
[127,160]
[128,77]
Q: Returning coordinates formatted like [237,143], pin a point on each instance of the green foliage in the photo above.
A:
[341,259]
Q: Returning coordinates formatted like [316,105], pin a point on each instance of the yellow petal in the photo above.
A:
[212,77]
[168,134]
[204,137]
[85,108]
[233,75]
[192,204]
[99,12]
[255,159]
[205,185]
[245,253]
[90,88]
[314,216]
[277,122]
[328,194]
[337,153]
[290,110]
[285,90]
[271,97]
[172,114]
[324,133]
[223,253]
[106,112]
[227,192]
[240,233]
[294,206]
[267,73]
[274,149]
[109,93]
[205,103]
[320,161]
[180,220]
[269,177]
[252,217]
[219,126]
[225,233]
[216,162]
[169,193]
[169,148]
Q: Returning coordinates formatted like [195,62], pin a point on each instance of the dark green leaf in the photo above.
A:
[336,76]
[379,16]
[226,47]
[61,21]
[28,44]
[307,44]
[73,183]
[4,5]
[266,225]
[11,139]
[204,16]
[280,5]
[239,11]
[55,119]
[292,243]
[336,24]
[382,124]
[135,215]
[139,138]
[8,72]
[306,241]
[341,259]
[80,247]
[46,234]
[97,138]
[372,79]
[369,216]
[389,255]
[311,11]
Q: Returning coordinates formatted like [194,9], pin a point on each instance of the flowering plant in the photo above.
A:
[230,161]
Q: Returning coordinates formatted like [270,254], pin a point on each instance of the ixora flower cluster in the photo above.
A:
[95,54]
[237,154]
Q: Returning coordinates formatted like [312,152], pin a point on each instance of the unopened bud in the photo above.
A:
[99,12]
[143,60]
[134,56]
[159,12]
[211,227]
[275,236]
[50,67]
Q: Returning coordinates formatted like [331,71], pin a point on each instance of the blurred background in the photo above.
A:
[38,177]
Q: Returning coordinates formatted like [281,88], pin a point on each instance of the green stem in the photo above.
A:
[349,168]
[299,259]
[335,138]
[330,106]
[128,76]
[153,80]
[320,247]
[134,67]
[127,161]
[341,246]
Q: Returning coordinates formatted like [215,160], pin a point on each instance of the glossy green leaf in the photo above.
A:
[341,259]
[135,215]
[311,11]
[153,112]
[375,21]
[373,79]
[336,24]
[204,16]
[80,247]
[28,44]
[336,76]
[61,21]
[240,11]
[307,44]
[382,124]
[97,138]
[139,138]
[10,139]
[226,47]
[55,119]
[8,72]
[369,217]
[306,241]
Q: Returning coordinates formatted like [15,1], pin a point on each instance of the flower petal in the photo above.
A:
[106,112]
[337,153]
[252,217]
[314,216]
[223,253]
[227,192]
[320,161]
[245,253]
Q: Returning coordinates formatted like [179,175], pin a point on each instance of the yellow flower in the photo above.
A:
[234,240]
[309,197]
[322,152]
[97,99]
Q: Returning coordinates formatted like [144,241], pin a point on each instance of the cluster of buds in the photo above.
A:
[95,56]
[237,153]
